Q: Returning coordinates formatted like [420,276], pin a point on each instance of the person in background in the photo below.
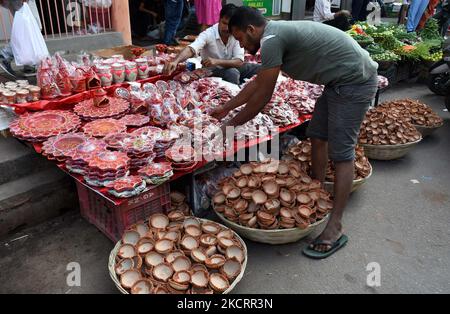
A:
[208,12]
[416,9]
[219,51]
[174,13]
[321,55]
[429,12]
[359,10]
[443,17]
[322,11]
[323,14]
[146,13]
[403,11]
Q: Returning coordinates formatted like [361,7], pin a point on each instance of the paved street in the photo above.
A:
[402,225]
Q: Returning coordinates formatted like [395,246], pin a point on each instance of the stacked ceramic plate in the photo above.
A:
[164,139]
[77,158]
[60,147]
[38,127]
[156,173]
[127,187]
[88,111]
[139,149]
[135,120]
[182,157]
[103,127]
[178,203]
[106,167]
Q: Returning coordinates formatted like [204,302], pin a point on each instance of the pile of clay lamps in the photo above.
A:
[175,254]
[421,116]
[272,195]
[302,152]
[383,126]
[178,203]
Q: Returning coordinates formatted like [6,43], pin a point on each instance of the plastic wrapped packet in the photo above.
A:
[63,76]
[78,80]
[46,80]
[150,88]
[84,58]
[207,186]
[162,86]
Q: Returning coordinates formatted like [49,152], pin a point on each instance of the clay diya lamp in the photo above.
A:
[143,286]
[218,282]
[200,278]
[129,278]
[231,268]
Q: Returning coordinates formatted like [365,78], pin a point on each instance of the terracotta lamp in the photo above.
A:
[100,98]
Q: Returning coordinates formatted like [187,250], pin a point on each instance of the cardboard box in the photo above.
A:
[120,50]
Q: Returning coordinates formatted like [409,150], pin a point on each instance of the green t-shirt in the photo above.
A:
[315,52]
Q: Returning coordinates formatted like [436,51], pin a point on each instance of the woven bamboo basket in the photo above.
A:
[279,236]
[388,152]
[329,186]
[116,280]
[427,130]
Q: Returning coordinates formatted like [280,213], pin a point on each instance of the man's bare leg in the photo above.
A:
[342,188]
[319,157]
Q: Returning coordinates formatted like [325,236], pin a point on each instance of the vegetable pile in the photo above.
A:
[389,43]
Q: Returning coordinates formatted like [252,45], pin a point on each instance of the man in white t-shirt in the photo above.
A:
[322,11]
[219,51]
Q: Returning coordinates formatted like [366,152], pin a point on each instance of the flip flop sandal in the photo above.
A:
[311,253]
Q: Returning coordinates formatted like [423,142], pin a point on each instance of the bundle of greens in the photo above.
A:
[431,31]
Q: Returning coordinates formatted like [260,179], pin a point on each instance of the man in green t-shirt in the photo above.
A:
[319,54]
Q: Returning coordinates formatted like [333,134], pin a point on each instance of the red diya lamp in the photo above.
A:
[135,120]
[92,80]
[100,98]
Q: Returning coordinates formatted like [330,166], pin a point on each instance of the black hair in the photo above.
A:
[245,16]
[228,10]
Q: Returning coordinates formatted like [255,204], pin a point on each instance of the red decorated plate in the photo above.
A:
[187,167]
[129,183]
[106,175]
[135,120]
[42,125]
[116,140]
[157,169]
[182,153]
[87,110]
[148,131]
[62,146]
[103,127]
[109,161]
[86,149]
[138,145]
[168,136]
